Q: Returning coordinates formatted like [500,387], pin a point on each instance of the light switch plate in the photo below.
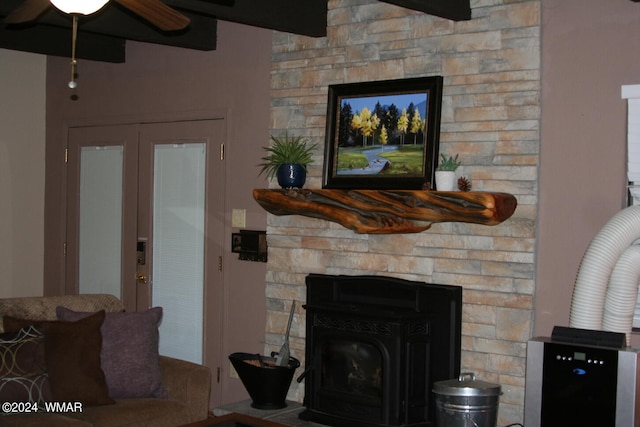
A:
[239,218]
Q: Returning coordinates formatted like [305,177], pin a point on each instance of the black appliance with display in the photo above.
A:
[581,378]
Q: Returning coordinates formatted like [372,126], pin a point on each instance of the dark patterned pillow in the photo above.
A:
[23,375]
[14,324]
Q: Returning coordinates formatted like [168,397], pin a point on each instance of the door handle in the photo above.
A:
[141,277]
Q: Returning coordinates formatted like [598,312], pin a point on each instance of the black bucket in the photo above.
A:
[266,382]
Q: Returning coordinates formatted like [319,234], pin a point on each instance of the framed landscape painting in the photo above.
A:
[383,134]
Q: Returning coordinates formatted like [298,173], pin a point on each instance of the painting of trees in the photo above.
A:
[363,127]
[365,123]
[416,125]
[403,125]
[344,125]
[380,129]
[384,136]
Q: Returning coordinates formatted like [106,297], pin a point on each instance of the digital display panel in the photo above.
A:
[579,355]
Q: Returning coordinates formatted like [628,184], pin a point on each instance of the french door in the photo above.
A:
[145,223]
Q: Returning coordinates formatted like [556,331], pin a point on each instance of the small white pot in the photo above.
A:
[445,180]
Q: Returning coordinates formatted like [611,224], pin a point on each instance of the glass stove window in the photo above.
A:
[352,367]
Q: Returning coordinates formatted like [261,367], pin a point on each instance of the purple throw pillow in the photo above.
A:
[129,356]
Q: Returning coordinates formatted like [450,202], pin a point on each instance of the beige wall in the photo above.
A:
[589,51]
[160,81]
[22,142]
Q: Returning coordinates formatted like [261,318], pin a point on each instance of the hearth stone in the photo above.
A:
[288,416]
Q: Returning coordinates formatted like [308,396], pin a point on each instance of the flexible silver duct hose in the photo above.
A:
[622,294]
[598,286]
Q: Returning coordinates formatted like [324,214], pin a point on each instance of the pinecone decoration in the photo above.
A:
[464,184]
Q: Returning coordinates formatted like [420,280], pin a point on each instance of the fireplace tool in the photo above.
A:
[282,359]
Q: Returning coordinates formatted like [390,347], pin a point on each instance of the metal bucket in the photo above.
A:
[466,402]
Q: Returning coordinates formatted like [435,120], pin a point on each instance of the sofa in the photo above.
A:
[164,391]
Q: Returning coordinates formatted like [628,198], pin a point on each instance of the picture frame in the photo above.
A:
[383,134]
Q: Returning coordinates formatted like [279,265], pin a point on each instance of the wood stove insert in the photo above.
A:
[374,347]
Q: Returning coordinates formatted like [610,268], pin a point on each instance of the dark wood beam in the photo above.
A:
[56,41]
[456,10]
[305,17]
[201,33]
[308,17]
[118,22]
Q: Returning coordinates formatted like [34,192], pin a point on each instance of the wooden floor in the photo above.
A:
[234,420]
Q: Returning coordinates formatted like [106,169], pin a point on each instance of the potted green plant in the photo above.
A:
[446,173]
[287,160]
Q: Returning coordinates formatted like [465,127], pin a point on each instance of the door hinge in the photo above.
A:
[218,373]
[221,151]
[66,155]
[220,263]
[64,249]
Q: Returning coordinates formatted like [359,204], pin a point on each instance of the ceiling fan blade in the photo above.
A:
[157,13]
[28,11]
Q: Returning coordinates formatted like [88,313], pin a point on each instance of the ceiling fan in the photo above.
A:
[154,11]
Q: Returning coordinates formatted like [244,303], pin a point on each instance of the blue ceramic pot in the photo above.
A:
[291,175]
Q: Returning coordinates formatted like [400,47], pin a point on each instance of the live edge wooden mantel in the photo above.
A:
[389,211]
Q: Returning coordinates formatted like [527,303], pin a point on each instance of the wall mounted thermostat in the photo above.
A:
[250,244]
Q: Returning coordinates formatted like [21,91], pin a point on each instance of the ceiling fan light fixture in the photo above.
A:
[82,7]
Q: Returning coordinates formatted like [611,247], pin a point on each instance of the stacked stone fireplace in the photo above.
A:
[490,117]
[375,346]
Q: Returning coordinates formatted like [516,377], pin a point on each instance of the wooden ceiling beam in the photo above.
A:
[304,17]
[102,36]
[456,10]
[119,23]
[200,35]
[56,41]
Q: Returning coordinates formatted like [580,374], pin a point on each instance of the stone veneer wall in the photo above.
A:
[490,116]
